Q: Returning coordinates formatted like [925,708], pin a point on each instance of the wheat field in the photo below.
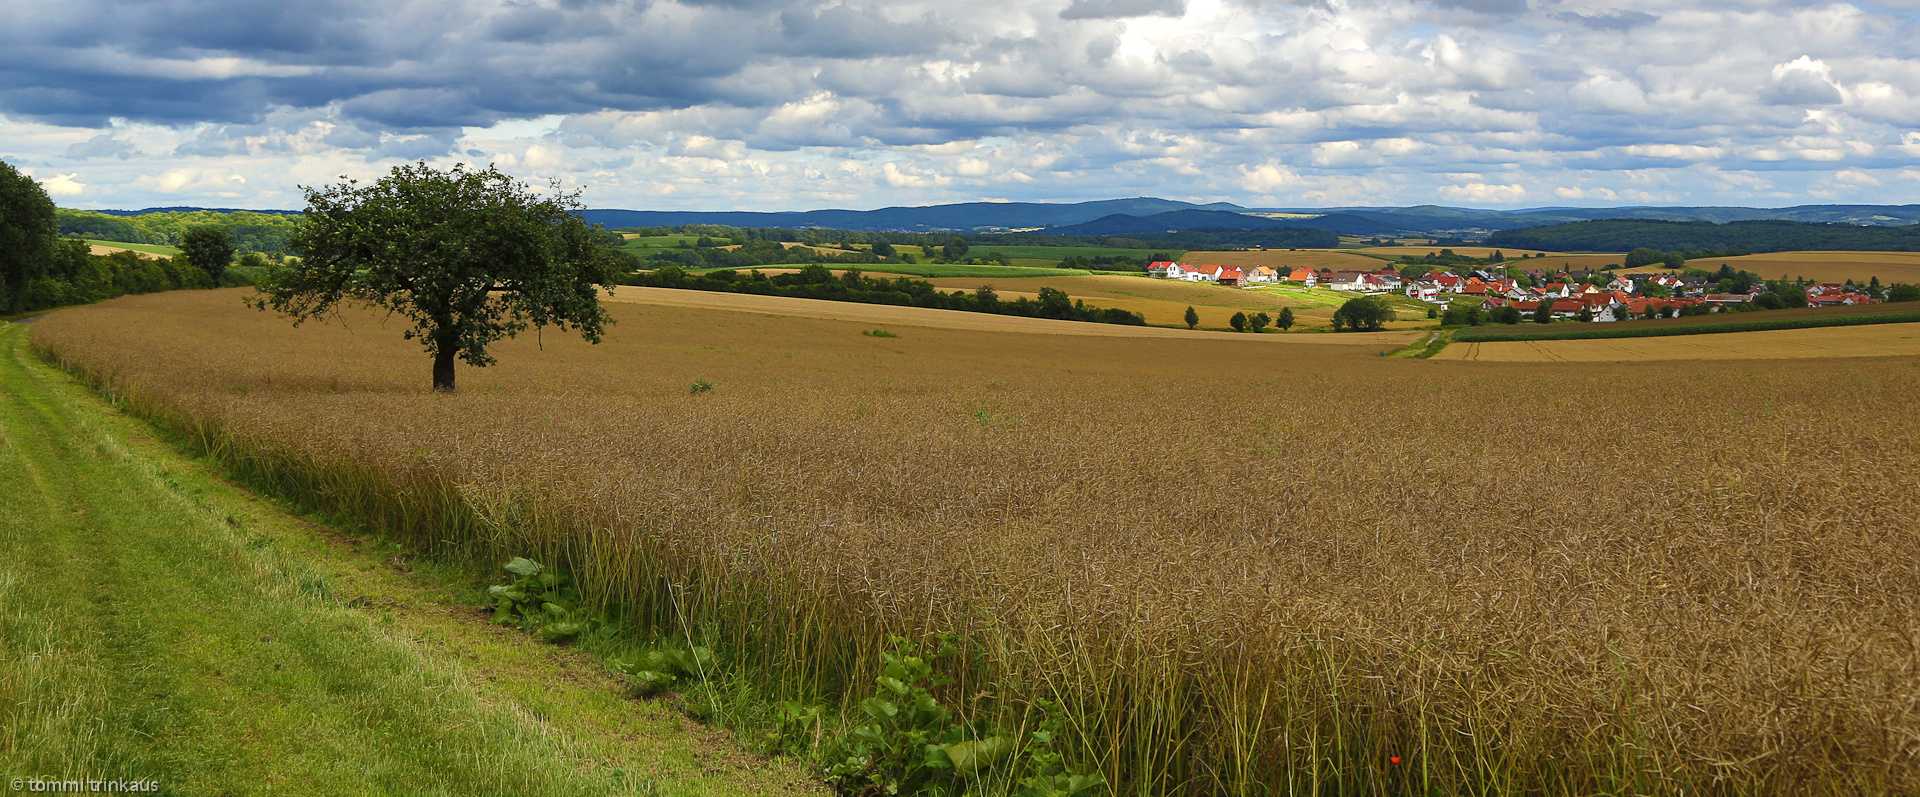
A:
[1242,568]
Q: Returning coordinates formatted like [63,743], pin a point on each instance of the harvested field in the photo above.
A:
[1879,340]
[1278,258]
[1242,568]
[1836,267]
[1165,302]
[955,319]
[1396,252]
[154,252]
[1552,263]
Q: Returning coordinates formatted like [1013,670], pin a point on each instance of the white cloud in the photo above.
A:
[64,185]
[775,104]
[1485,193]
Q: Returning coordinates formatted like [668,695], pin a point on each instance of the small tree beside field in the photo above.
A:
[469,257]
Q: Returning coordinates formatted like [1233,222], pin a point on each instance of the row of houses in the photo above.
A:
[1609,306]
[1233,276]
[1606,298]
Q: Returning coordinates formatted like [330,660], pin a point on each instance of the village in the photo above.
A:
[1600,296]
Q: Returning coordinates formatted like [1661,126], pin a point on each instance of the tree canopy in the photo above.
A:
[469,256]
[208,248]
[1362,313]
[26,235]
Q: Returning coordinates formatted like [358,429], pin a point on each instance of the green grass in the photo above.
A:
[1058,253]
[641,247]
[152,249]
[1702,325]
[1403,307]
[161,624]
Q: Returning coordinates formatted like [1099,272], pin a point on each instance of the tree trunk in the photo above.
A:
[443,367]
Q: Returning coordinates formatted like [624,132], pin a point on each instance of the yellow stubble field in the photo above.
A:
[1290,259]
[785,306]
[1837,267]
[1875,340]
[1165,302]
[1397,252]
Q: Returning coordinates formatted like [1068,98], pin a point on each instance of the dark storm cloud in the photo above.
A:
[408,65]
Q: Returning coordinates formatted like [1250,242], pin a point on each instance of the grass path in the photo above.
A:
[158,623]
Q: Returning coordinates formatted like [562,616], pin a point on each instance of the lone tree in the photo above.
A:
[1362,313]
[209,249]
[1238,322]
[1192,318]
[470,256]
[1285,321]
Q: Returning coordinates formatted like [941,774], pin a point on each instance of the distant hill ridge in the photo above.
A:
[1141,215]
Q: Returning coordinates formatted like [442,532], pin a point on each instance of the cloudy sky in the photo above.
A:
[801,104]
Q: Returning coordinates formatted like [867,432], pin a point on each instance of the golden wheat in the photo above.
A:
[1243,568]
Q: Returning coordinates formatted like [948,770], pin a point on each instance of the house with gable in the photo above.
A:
[1425,290]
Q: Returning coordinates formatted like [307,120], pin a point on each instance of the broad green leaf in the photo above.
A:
[972,756]
[521,566]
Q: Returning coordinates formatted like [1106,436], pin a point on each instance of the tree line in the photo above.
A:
[816,281]
[250,232]
[41,270]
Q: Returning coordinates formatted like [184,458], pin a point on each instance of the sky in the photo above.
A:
[805,104]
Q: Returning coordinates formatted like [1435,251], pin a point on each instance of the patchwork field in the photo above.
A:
[1396,252]
[983,322]
[1165,302]
[1279,258]
[1838,267]
[145,250]
[1239,567]
[1879,340]
[1058,253]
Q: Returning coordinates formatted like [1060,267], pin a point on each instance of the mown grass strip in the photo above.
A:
[162,626]
[1586,332]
